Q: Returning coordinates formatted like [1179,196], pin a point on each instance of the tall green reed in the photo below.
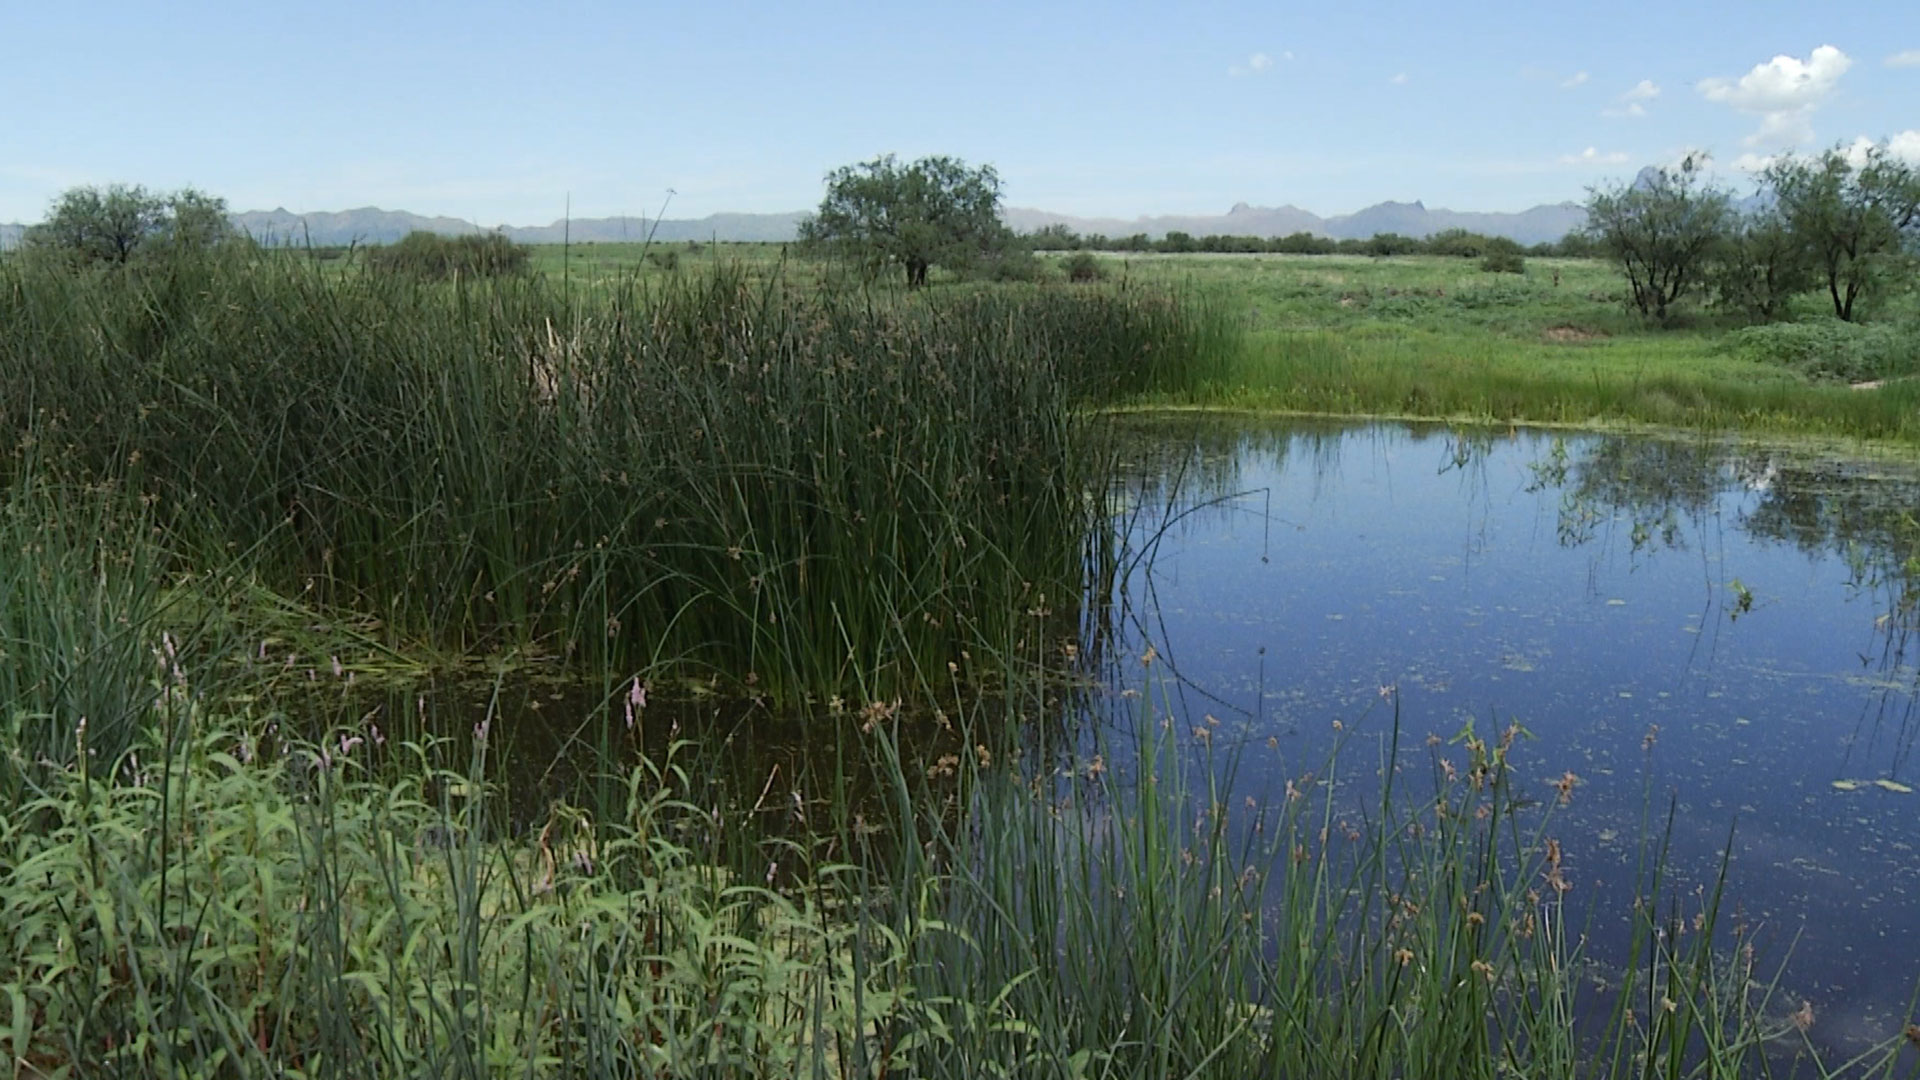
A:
[1121,913]
[776,485]
[81,622]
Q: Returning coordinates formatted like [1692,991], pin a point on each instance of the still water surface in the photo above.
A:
[1750,608]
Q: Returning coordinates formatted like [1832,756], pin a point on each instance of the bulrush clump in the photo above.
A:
[714,467]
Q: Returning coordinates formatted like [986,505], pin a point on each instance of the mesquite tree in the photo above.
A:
[936,211]
[1662,229]
[1853,213]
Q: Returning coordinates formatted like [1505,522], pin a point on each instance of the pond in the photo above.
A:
[1696,624]
[1698,627]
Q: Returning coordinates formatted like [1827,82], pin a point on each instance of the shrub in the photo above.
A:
[432,257]
[1504,262]
[1011,265]
[1831,350]
[1083,267]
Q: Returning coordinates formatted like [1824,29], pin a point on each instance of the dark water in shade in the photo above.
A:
[1751,603]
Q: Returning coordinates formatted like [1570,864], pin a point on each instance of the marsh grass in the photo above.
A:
[241,904]
[1604,383]
[82,609]
[1113,920]
[780,486]
[240,909]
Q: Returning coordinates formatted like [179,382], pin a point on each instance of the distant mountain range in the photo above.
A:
[371,225]
[1537,225]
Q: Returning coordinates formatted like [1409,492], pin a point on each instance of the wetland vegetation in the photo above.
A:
[255,502]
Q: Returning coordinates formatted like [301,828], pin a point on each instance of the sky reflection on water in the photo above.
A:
[1753,604]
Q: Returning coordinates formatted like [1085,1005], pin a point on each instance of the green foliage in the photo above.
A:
[1382,244]
[81,600]
[1303,243]
[1832,350]
[1083,267]
[802,486]
[1761,267]
[432,257]
[936,211]
[1010,265]
[1853,217]
[1503,256]
[1056,238]
[241,907]
[118,224]
[1662,231]
[1462,244]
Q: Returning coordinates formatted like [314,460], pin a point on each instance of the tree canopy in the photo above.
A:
[935,211]
[1852,212]
[116,223]
[1662,229]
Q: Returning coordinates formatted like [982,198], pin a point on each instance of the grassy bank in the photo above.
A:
[1436,337]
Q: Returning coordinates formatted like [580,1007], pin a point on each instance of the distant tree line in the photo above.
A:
[1843,224]
[129,226]
[1454,242]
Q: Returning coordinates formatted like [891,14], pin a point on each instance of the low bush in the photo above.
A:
[1828,350]
[433,257]
[1011,265]
[1504,262]
[1084,267]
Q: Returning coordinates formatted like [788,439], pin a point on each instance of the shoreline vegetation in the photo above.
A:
[237,481]
[1435,337]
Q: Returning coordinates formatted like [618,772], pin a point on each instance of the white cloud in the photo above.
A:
[1256,64]
[1632,107]
[1783,92]
[1575,80]
[1287,54]
[1399,80]
[1910,58]
[1592,155]
[1905,146]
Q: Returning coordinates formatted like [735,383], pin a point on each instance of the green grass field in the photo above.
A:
[1432,337]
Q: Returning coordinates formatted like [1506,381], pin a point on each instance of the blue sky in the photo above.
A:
[500,112]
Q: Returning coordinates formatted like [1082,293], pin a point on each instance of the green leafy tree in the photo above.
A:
[1663,230]
[1762,267]
[935,212]
[1056,237]
[1177,242]
[1503,256]
[1852,215]
[1389,243]
[118,223]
